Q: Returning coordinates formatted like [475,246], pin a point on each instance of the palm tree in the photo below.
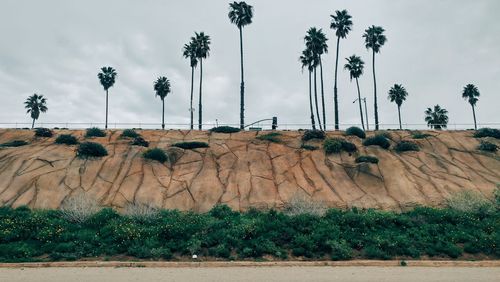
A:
[341,23]
[189,52]
[316,41]
[107,78]
[398,95]
[471,94]
[240,14]
[35,104]
[374,39]
[162,89]
[308,61]
[436,118]
[202,44]
[355,67]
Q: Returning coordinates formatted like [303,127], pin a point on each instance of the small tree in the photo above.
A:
[107,78]
[162,89]
[436,118]
[35,104]
[398,94]
[471,94]
[355,67]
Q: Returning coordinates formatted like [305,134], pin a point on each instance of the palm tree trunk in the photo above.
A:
[375,92]
[399,114]
[191,103]
[242,87]
[322,93]
[163,114]
[366,115]
[360,108]
[474,114]
[106,124]
[33,124]
[335,97]
[316,99]
[310,102]
[199,100]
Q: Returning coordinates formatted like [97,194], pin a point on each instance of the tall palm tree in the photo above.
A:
[35,104]
[374,40]
[107,78]
[436,118]
[471,94]
[398,94]
[240,14]
[189,52]
[341,23]
[202,43]
[162,89]
[355,67]
[316,41]
[308,61]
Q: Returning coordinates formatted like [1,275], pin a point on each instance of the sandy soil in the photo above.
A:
[353,274]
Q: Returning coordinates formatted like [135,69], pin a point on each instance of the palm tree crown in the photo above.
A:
[240,13]
[374,38]
[316,41]
[341,23]
[189,52]
[201,42]
[162,87]
[308,60]
[107,77]
[35,104]
[436,118]
[397,94]
[355,66]
[471,94]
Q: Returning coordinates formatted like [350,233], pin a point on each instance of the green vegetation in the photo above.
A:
[15,143]
[43,132]
[189,52]
[355,131]
[398,94]
[405,146]
[35,104]
[378,140]
[94,132]
[271,137]
[309,147]
[419,135]
[471,94]
[201,42]
[67,139]
[191,145]
[107,78]
[436,118]
[46,235]
[225,129]
[487,146]
[156,154]
[91,149]
[355,66]
[487,132]
[129,133]
[313,134]
[139,141]
[162,89]
[471,202]
[336,145]
[367,159]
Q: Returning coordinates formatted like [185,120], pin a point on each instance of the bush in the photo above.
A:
[332,145]
[43,132]
[225,129]
[156,154]
[313,134]
[94,132]
[79,208]
[355,131]
[190,145]
[367,159]
[487,146]
[67,139]
[405,146]
[129,133]
[91,149]
[15,143]
[487,132]
[271,137]
[470,201]
[419,135]
[309,147]
[139,141]
[377,140]
[141,212]
[340,250]
[300,204]
[348,146]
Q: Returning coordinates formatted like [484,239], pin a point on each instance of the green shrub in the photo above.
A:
[487,132]
[313,134]
[91,149]
[332,145]
[139,141]
[67,139]
[191,145]
[377,140]
[94,132]
[15,143]
[129,133]
[405,146]
[309,147]
[340,250]
[356,131]
[225,129]
[419,135]
[348,146]
[43,132]
[470,201]
[367,159]
[487,146]
[271,137]
[156,154]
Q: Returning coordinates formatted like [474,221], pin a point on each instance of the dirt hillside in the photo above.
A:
[242,171]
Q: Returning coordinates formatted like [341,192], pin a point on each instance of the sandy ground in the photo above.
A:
[353,274]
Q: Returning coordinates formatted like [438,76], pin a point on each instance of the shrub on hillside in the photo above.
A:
[95,132]
[309,147]
[300,204]
[469,201]
[67,139]
[313,134]
[332,145]
[79,208]
[487,146]
[405,146]
[377,140]
[225,129]
[43,132]
[156,154]
[348,146]
[141,212]
[139,141]
[191,145]
[271,137]
[129,133]
[355,131]
[91,149]
[419,135]
[487,132]
[367,159]
[15,143]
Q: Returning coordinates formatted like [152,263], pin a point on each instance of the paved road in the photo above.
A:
[353,274]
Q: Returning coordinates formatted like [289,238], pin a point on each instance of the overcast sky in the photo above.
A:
[56,48]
